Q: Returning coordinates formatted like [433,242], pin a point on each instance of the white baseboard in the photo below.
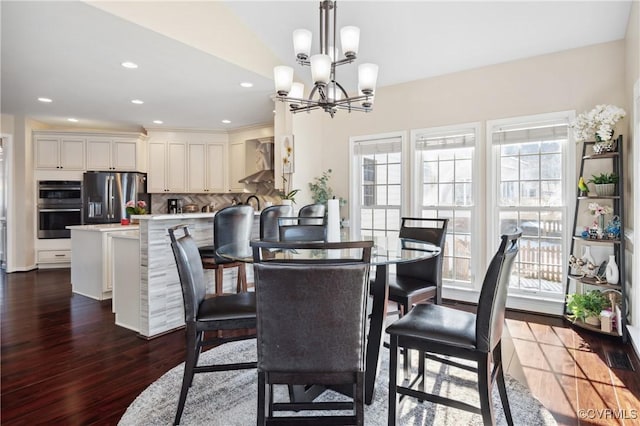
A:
[520,302]
[22,268]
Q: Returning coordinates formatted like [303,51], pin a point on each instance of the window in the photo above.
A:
[529,180]
[444,159]
[378,185]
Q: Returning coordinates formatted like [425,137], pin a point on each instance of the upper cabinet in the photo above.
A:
[188,162]
[167,167]
[59,152]
[113,154]
[207,169]
[64,150]
[237,168]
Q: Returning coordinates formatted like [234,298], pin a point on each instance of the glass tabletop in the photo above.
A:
[386,251]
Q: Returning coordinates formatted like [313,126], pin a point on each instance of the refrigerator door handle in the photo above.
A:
[110,196]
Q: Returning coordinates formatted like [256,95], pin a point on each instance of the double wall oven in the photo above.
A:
[59,206]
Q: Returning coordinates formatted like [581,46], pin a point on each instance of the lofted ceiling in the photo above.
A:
[192,56]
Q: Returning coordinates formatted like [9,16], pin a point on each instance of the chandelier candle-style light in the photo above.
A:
[327,93]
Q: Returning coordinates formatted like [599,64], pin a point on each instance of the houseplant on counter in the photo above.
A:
[587,306]
[321,192]
[133,207]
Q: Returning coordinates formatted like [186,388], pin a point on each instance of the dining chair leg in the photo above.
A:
[393,378]
[189,364]
[502,388]
[261,399]
[241,285]
[219,280]
[358,400]
[484,388]
[422,368]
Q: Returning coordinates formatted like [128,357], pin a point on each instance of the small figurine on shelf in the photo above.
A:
[613,228]
[583,188]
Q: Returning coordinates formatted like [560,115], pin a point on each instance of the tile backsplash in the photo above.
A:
[159,201]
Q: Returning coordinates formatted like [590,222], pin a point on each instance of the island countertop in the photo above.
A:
[104,227]
[167,216]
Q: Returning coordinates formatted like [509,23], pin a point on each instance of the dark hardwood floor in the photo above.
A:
[65,362]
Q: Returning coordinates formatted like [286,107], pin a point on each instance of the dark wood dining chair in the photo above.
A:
[418,282]
[311,328]
[214,314]
[443,332]
[230,225]
[299,229]
[269,223]
[312,213]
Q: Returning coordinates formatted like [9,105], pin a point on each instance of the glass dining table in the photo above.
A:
[386,251]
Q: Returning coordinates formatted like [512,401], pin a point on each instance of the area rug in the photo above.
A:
[229,398]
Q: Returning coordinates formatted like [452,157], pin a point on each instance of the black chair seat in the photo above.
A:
[409,287]
[231,307]
[439,324]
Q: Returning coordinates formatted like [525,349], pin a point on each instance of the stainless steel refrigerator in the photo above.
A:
[104,195]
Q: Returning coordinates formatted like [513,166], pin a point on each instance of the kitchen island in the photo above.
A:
[90,259]
[134,264]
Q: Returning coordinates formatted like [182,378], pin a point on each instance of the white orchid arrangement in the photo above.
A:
[598,210]
[598,123]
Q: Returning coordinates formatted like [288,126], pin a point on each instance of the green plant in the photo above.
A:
[604,178]
[289,195]
[583,305]
[321,192]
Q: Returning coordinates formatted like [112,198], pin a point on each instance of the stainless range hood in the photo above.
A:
[264,154]
[263,176]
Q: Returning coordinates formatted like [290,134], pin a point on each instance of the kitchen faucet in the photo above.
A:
[254,197]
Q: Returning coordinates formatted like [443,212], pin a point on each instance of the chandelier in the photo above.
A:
[327,93]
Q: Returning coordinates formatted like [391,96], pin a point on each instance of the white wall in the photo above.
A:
[574,79]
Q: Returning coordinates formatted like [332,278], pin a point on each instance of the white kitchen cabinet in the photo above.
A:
[237,169]
[113,154]
[167,167]
[61,153]
[91,260]
[207,167]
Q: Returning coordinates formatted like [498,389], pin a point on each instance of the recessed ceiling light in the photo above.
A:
[246,84]
[73,120]
[129,65]
[137,102]
[226,121]
[45,100]
[158,121]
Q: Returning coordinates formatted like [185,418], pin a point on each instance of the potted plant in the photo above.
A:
[321,192]
[605,183]
[598,124]
[587,306]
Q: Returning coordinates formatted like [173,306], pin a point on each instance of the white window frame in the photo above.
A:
[355,184]
[450,288]
[518,300]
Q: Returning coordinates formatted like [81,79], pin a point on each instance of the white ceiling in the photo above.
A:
[193,55]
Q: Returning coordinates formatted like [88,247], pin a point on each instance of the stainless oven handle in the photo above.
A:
[58,188]
[57,210]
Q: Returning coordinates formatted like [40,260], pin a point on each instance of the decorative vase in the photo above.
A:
[587,258]
[613,274]
[605,189]
[601,225]
[286,202]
